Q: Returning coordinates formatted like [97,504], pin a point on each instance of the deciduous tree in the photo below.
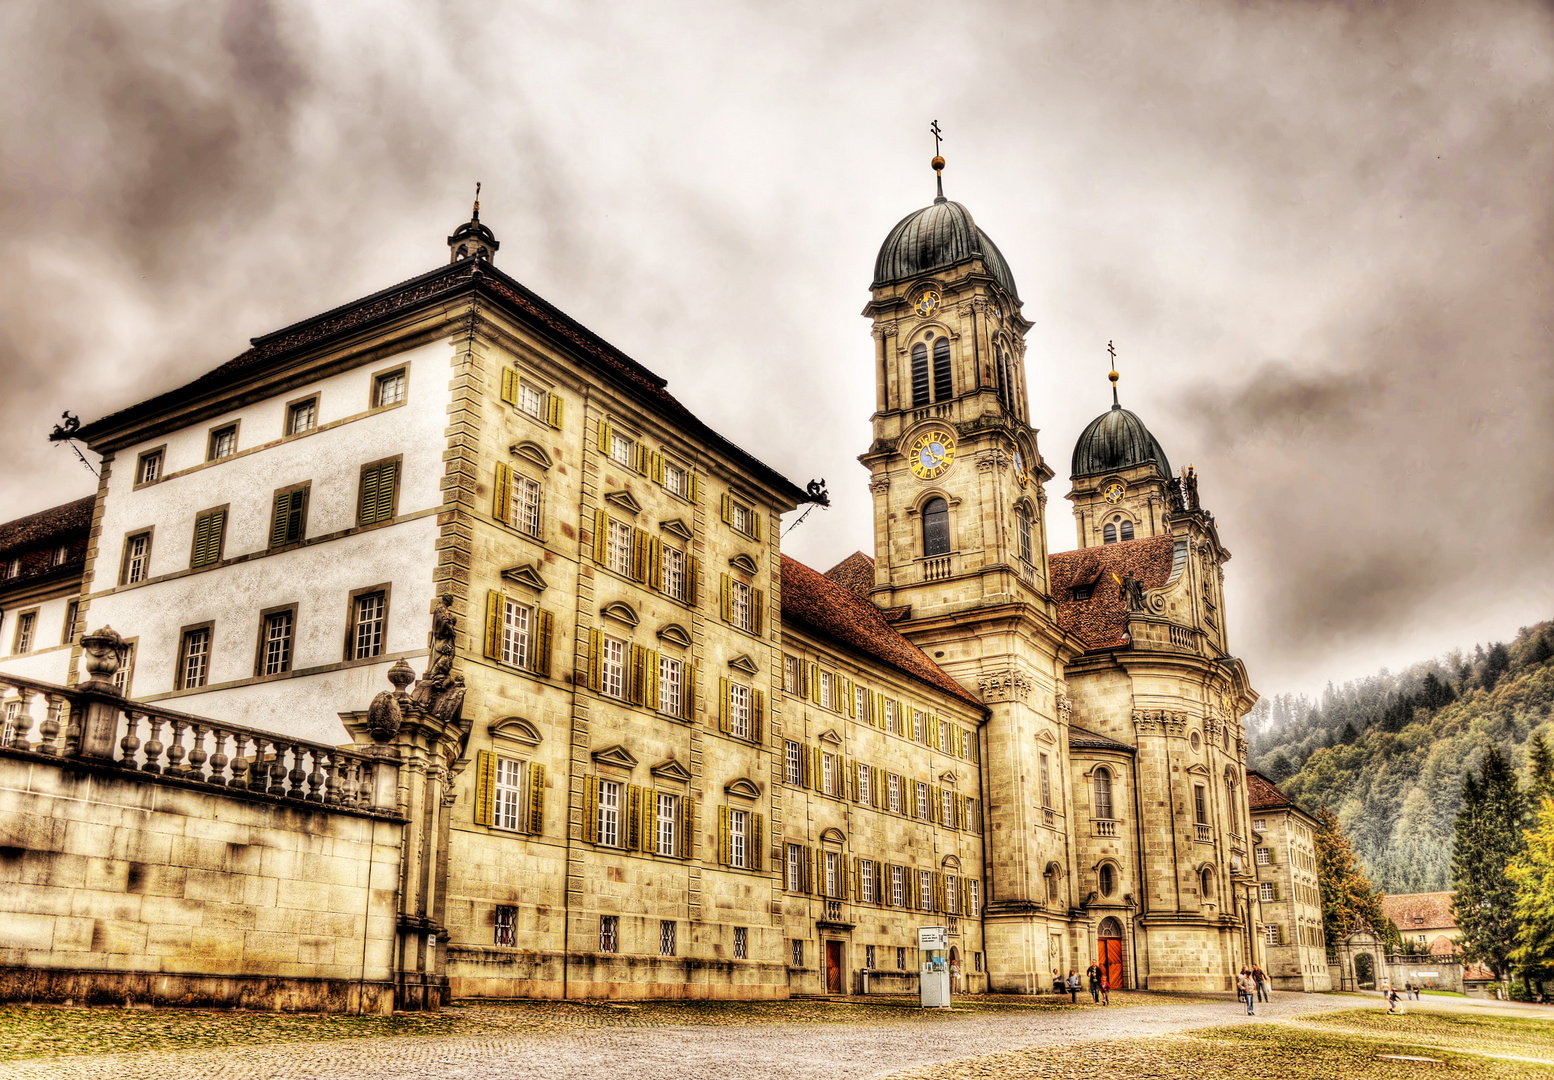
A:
[1348,898]
[1532,874]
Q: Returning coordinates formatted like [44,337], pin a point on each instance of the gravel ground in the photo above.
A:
[830,1042]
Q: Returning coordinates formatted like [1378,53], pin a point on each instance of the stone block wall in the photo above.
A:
[124,887]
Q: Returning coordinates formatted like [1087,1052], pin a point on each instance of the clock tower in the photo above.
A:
[1120,475]
[961,557]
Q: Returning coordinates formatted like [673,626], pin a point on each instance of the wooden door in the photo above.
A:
[1111,961]
[833,967]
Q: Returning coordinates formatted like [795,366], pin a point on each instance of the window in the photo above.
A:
[832,875]
[623,450]
[210,530]
[72,610]
[302,416]
[148,470]
[741,942]
[740,517]
[936,528]
[1265,891]
[795,868]
[137,558]
[609,933]
[973,816]
[59,556]
[1206,881]
[950,898]
[368,613]
[917,725]
[378,492]
[516,622]
[609,813]
[947,807]
[943,377]
[944,737]
[1046,781]
[1271,935]
[793,771]
[524,505]
[533,400]
[25,625]
[919,375]
[674,479]
[925,890]
[828,774]
[121,677]
[275,655]
[866,894]
[894,785]
[289,517]
[739,711]
[13,568]
[868,957]
[506,926]
[790,674]
[1260,825]
[1103,793]
[739,605]
[671,571]
[865,785]
[388,389]
[223,443]
[1108,533]
[1108,879]
[738,848]
[1200,805]
[892,717]
[612,668]
[670,689]
[617,551]
[1125,530]
[666,936]
[897,890]
[976,957]
[194,658]
[861,704]
[798,952]
[1022,524]
[507,811]
[668,828]
[922,802]
[827,698]
[974,888]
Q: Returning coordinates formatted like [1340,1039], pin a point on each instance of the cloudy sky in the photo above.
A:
[1318,233]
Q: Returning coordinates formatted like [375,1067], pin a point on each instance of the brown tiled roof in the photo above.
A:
[822,605]
[1080,739]
[49,526]
[1406,909]
[1101,622]
[1261,794]
[465,275]
[856,572]
[1477,973]
[1443,946]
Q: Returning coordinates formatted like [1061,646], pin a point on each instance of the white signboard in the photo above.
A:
[932,937]
[1428,974]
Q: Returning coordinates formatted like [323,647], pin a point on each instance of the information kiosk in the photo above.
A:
[934,982]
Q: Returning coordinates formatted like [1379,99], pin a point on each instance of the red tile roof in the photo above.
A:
[1434,908]
[1101,621]
[48,526]
[856,572]
[1261,794]
[810,599]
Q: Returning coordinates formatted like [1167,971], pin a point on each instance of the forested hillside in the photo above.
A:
[1387,753]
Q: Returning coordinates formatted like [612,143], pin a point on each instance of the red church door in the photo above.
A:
[1109,941]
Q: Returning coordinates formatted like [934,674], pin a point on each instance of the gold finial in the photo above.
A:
[475,216]
[1113,376]
[938,160]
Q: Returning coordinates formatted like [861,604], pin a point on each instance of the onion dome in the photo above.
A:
[1117,440]
[938,237]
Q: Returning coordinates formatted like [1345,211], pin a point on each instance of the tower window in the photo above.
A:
[1103,793]
[943,380]
[1109,534]
[1125,530]
[1022,523]
[919,374]
[936,528]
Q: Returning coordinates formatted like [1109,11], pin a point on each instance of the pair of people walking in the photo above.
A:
[1100,986]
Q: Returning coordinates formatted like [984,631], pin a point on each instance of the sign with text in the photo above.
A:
[932,937]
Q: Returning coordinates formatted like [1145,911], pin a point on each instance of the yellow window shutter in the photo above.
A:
[804,769]
[692,580]
[722,836]
[601,534]
[843,884]
[695,487]
[536,798]
[757,842]
[595,658]
[758,612]
[555,410]
[728,599]
[877,788]
[755,524]
[633,822]
[640,543]
[591,809]
[636,676]
[650,687]
[655,560]
[485,786]
[809,870]
[723,705]
[544,638]
[858,879]
[851,707]
[658,468]
[758,717]
[509,386]
[857,767]
[688,698]
[644,460]
[496,605]
[934,806]
[604,437]
[687,827]
[812,681]
[728,508]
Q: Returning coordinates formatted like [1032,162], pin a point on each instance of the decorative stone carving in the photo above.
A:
[1211,726]
[1159,722]
[1009,685]
[1065,709]
[988,460]
[440,692]
[880,486]
[387,711]
[104,654]
[1133,589]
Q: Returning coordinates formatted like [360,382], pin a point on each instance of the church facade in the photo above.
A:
[692,766]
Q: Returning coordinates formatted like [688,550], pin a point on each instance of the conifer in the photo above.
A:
[1488,836]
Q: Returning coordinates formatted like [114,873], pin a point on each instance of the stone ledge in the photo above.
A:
[86,986]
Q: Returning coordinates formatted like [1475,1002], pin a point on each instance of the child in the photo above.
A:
[1106,990]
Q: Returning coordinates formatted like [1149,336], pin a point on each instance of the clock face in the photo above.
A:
[932,454]
[928,303]
[1112,492]
[1020,473]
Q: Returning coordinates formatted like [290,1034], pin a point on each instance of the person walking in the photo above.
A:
[1248,987]
[1057,983]
[1106,990]
[1093,974]
[1073,987]
[1261,979]
[1392,1001]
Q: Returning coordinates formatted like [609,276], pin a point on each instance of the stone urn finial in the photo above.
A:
[105,652]
[401,675]
[387,710]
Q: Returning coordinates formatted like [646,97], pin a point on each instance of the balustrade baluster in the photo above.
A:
[240,763]
[129,746]
[296,779]
[197,755]
[23,720]
[218,760]
[316,777]
[175,751]
[351,781]
[277,771]
[48,731]
[332,780]
[154,746]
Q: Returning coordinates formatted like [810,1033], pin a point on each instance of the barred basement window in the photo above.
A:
[670,672]
[612,668]
[194,658]
[507,811]
[367,625]
[925,889]
[617,552]
[868,957]
[798,952]
[739,711]
[795,882]
[897,890]
[388,389]
[609,933]
[609,811]
[666,937]
[516,621]
[793,771]
[277,643]
[977,959]
[506,926]
[900,958]
[741,942]
[668,824]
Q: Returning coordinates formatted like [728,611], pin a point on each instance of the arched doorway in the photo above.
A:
[1365,971]
[955,975]
[1109,940]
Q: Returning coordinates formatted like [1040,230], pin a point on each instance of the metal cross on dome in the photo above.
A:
[937,135]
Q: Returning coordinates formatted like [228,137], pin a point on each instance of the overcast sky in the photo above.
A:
[1318,233]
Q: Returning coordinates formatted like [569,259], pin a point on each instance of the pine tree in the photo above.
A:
[1435,693]
[1541,760]
[1540,650]
[1496,663]
[1532,873]
[1488,836]
[1348,899]
[1278,767]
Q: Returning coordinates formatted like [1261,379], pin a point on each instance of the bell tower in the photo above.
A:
[1120,477]
[472,240]
[961,555]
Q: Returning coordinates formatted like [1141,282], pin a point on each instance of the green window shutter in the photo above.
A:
[604,437]
[281,515]
[601,535]
[536,798]
[544,643]
[633,822]
[595,658]
[502,494]
[757,842]
[728,599]
[509,386]
[758,612]
[687,827]
[388,487]
[722,836]
[367,499]
[555,410]
[209,532]
[591,809]
[758,717]
[485,786]
[496,608]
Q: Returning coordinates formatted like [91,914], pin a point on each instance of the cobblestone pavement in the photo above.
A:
[883,1043]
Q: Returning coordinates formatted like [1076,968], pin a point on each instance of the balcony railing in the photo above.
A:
[1205,834]
[937,568]
[194,749]
[1105,826]
[833,911]
[1049,816]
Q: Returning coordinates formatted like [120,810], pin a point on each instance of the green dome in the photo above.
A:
[1115,440]
[937,237]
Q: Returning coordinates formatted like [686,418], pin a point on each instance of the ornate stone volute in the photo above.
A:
[104,653]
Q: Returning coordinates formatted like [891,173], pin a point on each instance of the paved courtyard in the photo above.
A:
[831,1040]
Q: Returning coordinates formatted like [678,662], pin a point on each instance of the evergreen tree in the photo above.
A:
[1496,663]
[1532,873]
[1435,693]
[1540,650]
[1348,734]
[1279,768]
[1347,896]
[1541,760]
[1488,836]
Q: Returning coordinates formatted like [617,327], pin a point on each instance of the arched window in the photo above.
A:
[1109,534]
[943,380]
[1103,793]
[1052,884]
[1126,529]
[919,374]
[1001,371]
[1108,881]
[1230,799]
[1206,878]
[936,527]
[1022,525]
